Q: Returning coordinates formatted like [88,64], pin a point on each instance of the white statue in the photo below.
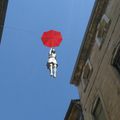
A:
[52,62]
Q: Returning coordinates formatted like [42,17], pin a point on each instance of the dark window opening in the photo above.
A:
[116,62]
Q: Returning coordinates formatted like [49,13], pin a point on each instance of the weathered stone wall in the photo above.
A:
[105,80]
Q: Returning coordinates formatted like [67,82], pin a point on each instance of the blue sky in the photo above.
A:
[27,92]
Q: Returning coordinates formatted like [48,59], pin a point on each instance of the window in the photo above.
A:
[116,58]
[102,30]
[98,112]
[87,70]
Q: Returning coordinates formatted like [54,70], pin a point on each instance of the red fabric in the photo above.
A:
[51,38]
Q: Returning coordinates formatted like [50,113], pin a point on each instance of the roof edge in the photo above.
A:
[88,39]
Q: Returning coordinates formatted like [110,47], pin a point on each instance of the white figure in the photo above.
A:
[52,62]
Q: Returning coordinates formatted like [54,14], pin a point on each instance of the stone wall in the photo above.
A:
[105,79]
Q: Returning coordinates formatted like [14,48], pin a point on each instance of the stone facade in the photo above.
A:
[3,8]
[97,69]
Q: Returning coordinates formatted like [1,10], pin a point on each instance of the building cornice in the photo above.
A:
[73,107]
[3,10]
[88,40]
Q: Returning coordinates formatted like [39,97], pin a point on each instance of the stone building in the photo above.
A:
[3,8]
[97,70]
[74,111]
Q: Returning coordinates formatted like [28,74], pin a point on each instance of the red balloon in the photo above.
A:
[51,38]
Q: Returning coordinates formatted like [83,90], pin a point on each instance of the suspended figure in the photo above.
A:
[52,62]
[52,39]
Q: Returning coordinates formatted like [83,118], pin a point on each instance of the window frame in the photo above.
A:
[86,81]
[95,105]
[103,30]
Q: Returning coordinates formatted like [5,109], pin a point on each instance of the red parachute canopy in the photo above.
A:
[51,38]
